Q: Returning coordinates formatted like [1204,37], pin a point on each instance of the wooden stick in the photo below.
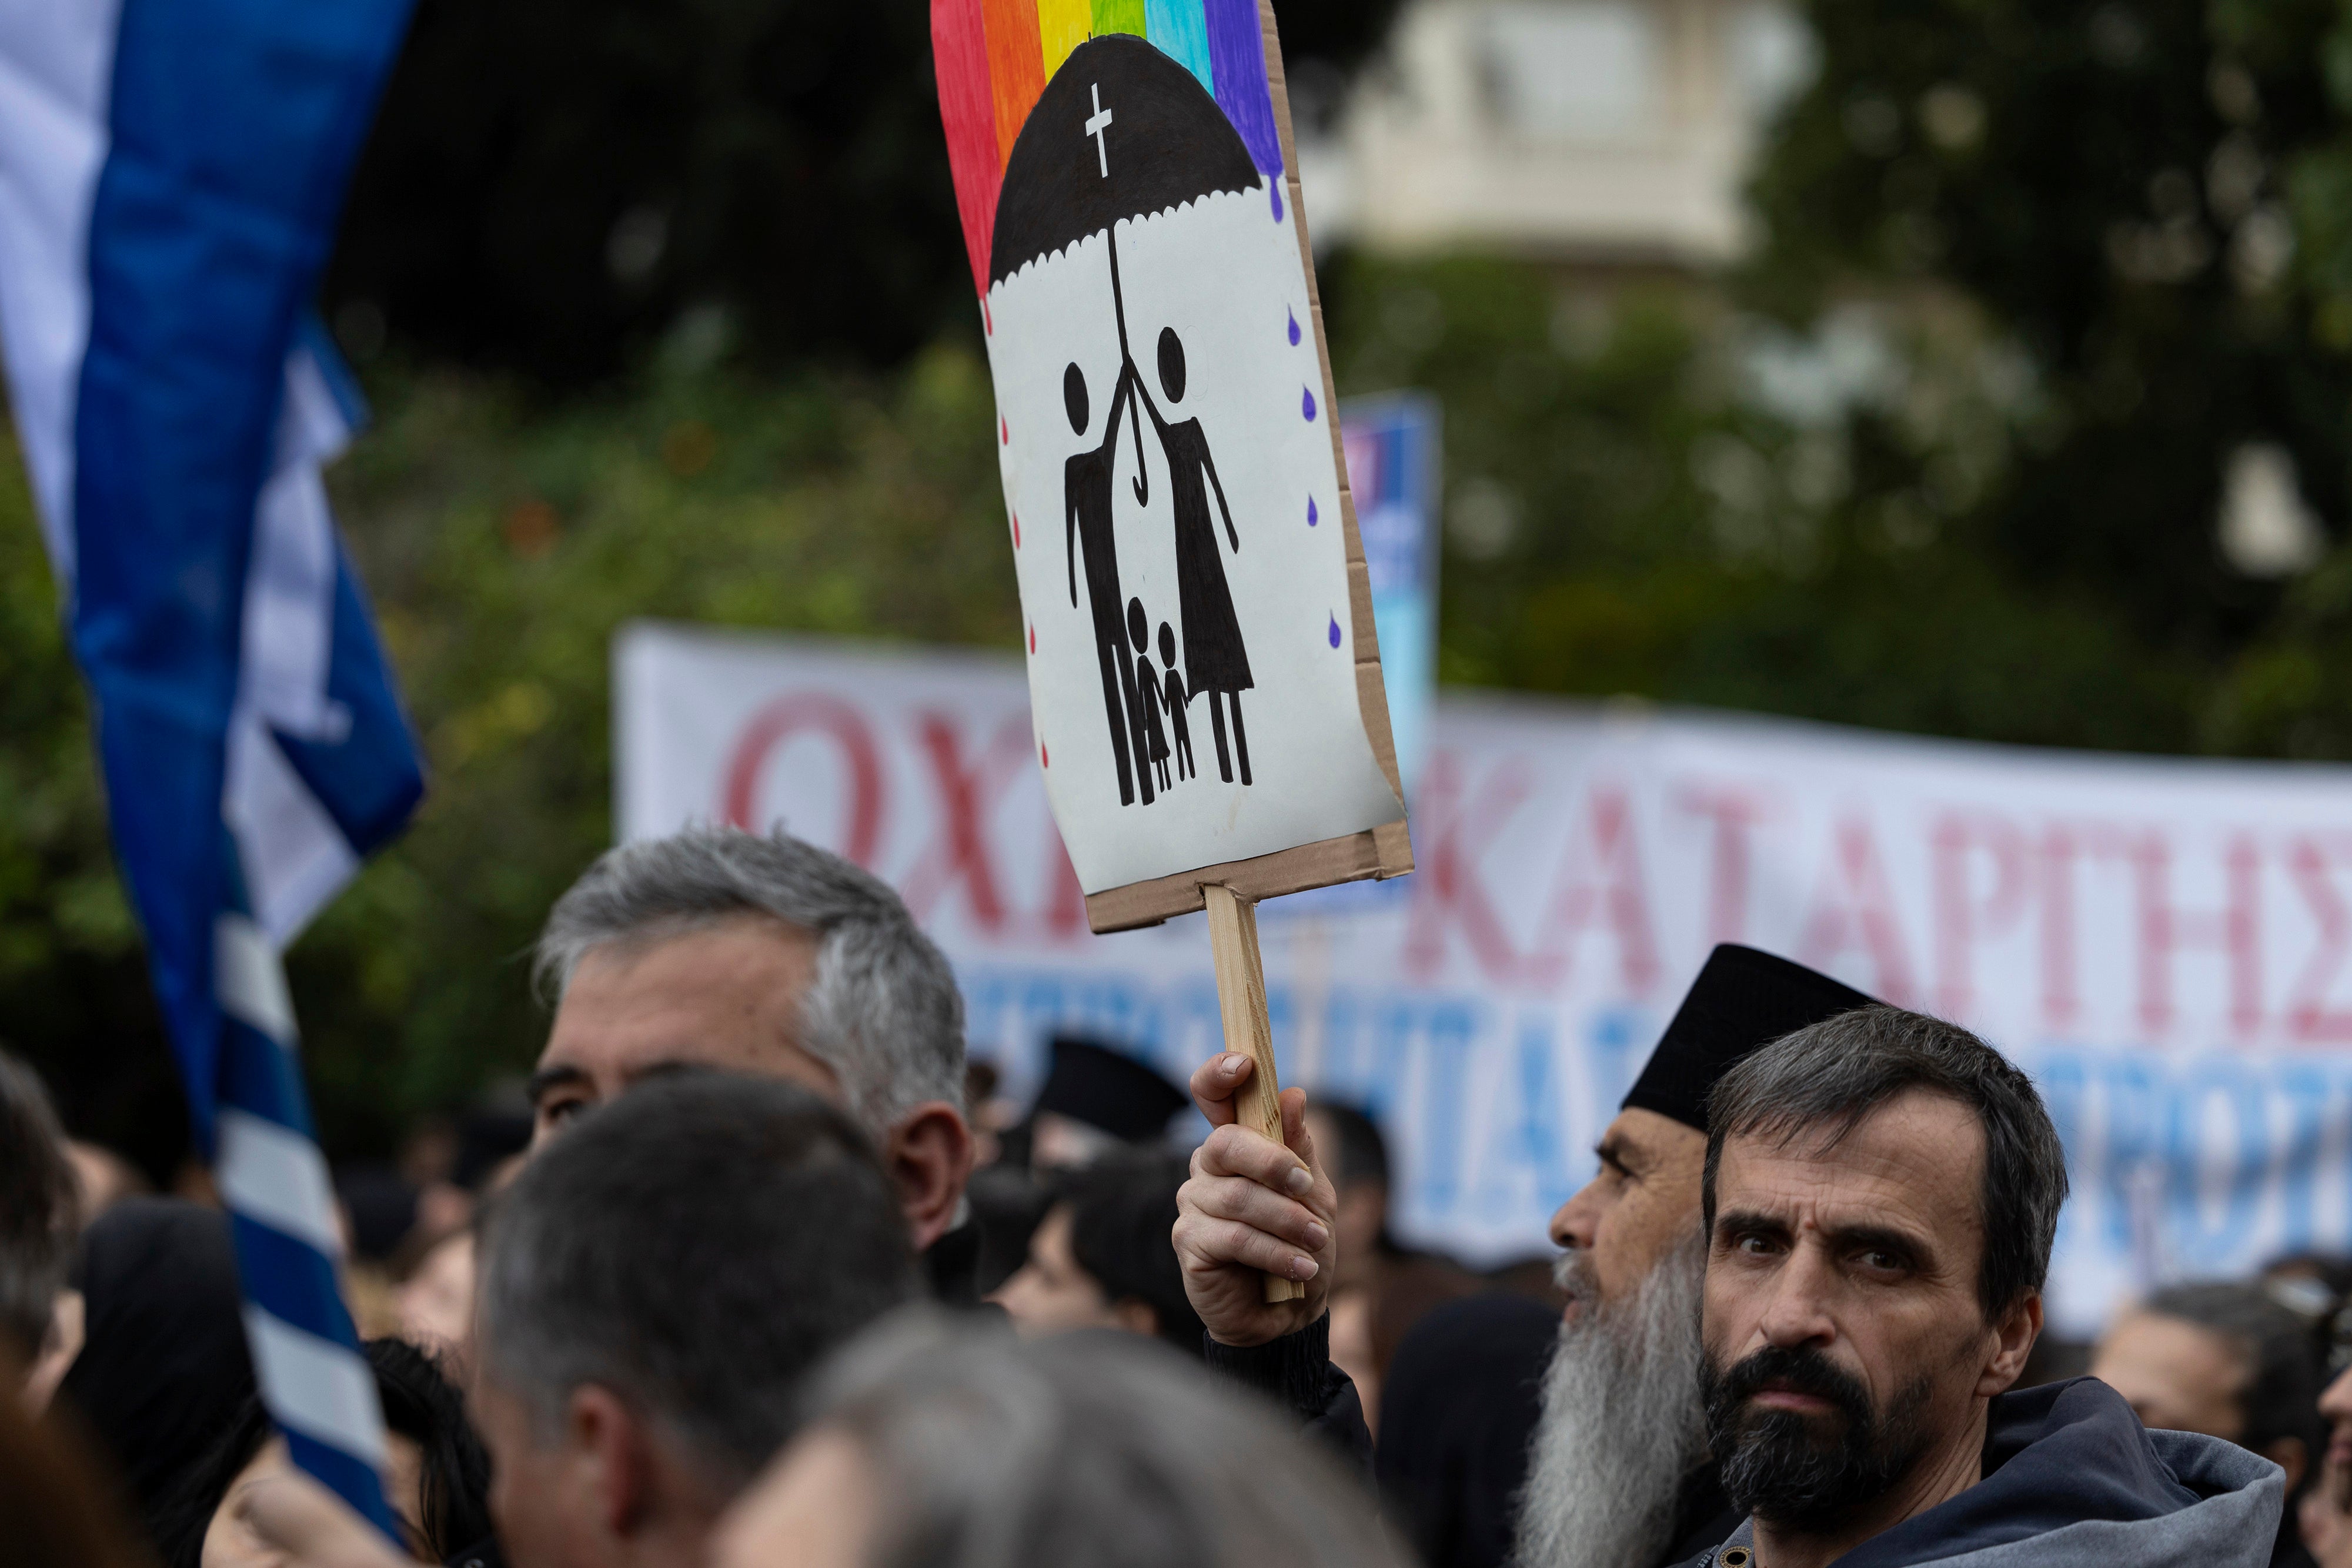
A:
[1241,997]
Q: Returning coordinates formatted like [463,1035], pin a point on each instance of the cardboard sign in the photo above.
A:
[1203,670]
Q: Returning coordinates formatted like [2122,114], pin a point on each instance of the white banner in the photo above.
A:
[2165,944]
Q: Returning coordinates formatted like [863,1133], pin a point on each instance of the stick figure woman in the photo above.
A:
[1215,660]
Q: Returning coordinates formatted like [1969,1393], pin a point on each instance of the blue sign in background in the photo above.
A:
[1394,460]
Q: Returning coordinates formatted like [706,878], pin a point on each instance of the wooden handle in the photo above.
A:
[1241,997]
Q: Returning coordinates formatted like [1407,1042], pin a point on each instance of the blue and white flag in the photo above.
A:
[170,172]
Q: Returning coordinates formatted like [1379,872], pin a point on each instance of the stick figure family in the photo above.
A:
[1146,706]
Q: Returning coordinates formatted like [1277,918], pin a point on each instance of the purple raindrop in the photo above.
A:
[1307,403]
[1274,189]
[1313,516]
[1335,631]
[1294,329]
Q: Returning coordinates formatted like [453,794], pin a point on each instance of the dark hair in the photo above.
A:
[1362,1155]
[2280,1395]
[419,1404]
[39,1208]
[1122,1211]
[695,1246]
[1831,1075]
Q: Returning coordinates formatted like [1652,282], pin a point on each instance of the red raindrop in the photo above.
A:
[1042,759]
[1016,530]
[1004,430]
[1033,639]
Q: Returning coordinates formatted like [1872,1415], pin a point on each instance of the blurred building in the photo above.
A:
[1613,134]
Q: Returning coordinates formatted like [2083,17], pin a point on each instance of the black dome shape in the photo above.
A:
[1166,144]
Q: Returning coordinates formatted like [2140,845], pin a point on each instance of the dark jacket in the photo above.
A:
[2072,1481]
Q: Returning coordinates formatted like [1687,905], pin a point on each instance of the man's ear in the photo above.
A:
[930,1156]
[609,1452]
[2013,1336]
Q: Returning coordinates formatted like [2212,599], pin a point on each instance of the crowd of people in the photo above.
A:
[762,1274]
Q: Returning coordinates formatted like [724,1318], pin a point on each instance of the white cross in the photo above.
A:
[1096,127]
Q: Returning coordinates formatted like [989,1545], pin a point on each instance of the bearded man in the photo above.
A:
[1617,1475]
[1881,1195]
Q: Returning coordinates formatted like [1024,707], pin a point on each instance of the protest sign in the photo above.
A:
[1203,712]
[2165,944]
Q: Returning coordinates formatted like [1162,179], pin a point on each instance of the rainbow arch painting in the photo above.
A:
[993,59]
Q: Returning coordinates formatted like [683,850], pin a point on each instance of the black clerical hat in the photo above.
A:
[1741,1000]
[1109,1090]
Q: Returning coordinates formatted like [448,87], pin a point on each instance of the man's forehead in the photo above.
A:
[725,994]
[1919,1156]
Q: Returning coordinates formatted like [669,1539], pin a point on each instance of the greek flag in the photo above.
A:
[170,172]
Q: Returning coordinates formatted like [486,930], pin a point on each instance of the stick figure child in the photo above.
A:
[1176,699]
[1147,689]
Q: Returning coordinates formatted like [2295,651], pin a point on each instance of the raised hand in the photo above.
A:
[1253,1207]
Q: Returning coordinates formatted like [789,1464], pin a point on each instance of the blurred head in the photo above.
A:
[1074,397]
[435,1301]
[715,947]
[2225,1360]
[438,1484]
[944,1445]
[164,1367]
[1103,1256]
[1881,1194]
[40,1213]
[654,1286]
[1139,627]
[2336,1409]
[1356,1158]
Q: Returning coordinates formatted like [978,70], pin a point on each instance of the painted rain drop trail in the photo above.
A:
[1307,405]
[1313,516]
[1294,329]
[1033,640]
[1004,430]
[1275,190]
[1045,758]
[1335,631]
[1016,530]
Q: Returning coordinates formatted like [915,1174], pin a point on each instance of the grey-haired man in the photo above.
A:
[715,947]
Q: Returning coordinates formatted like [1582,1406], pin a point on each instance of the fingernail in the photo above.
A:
[1317,1236]
[1231,1063]
[1300,1180]
[1302,1269]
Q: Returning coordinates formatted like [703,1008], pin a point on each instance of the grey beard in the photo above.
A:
[1622,1421]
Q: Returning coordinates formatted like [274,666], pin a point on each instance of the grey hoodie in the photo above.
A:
[2072,1481]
